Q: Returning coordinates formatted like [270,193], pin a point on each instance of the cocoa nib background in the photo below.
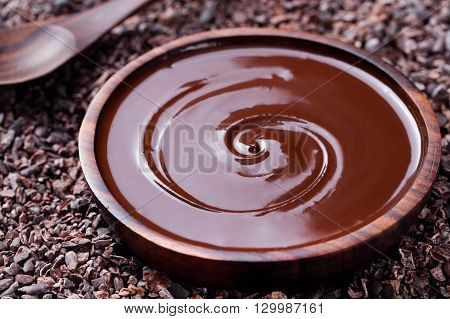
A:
[53,241]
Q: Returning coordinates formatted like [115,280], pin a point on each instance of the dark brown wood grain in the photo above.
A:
[36,49]
[290,267]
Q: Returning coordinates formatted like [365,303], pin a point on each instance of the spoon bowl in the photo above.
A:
[36,49]
[31,58]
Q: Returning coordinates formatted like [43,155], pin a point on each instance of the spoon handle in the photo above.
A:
[89,25]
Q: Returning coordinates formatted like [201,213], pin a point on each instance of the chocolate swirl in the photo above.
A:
[253,147]
[282,156]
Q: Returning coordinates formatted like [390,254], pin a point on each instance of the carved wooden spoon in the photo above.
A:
[36,49]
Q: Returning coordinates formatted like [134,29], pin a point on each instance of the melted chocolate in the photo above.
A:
[256,148]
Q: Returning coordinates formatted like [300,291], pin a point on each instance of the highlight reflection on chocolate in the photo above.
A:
[256,148]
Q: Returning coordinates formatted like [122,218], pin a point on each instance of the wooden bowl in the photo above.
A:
[227,268]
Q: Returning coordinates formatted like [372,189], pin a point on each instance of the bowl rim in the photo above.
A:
[405,207]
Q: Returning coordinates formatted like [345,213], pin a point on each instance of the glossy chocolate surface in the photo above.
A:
[252,147]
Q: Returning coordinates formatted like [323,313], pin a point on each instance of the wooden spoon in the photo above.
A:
[36,49]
